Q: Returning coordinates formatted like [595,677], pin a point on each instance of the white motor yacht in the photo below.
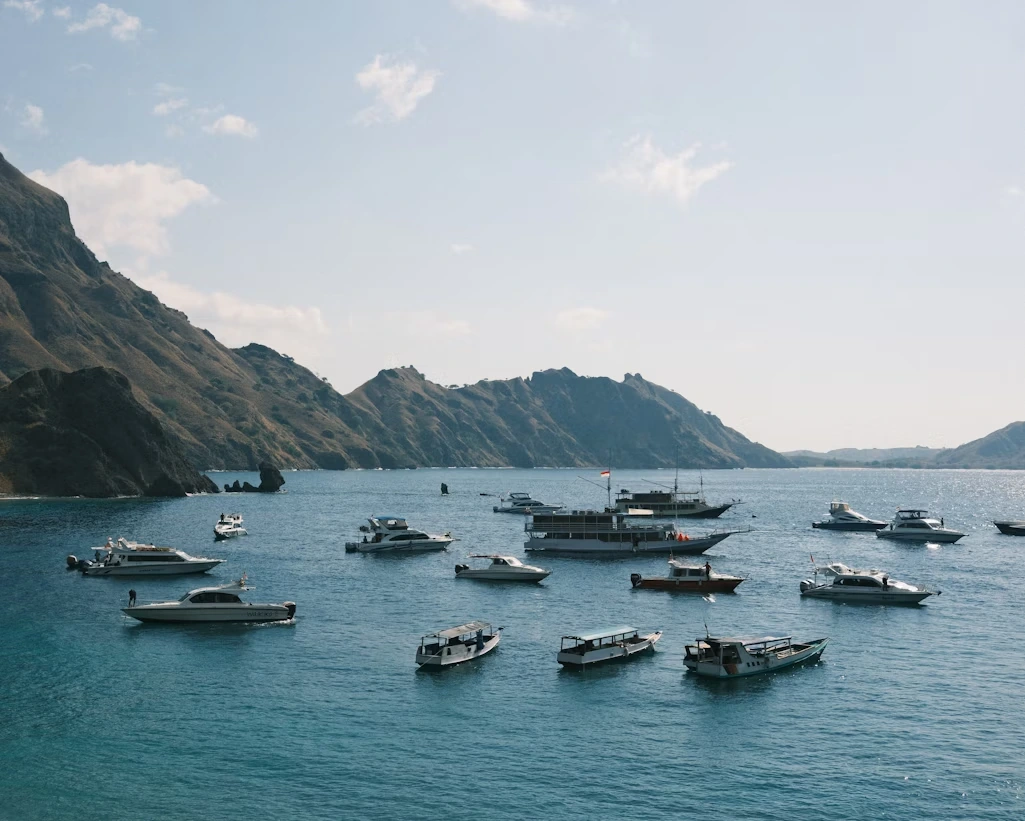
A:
[391,534]
[841,517]
[212,604]
[861,587]
[457,644]
[229,526]
[501,569]
[613,644]
[524,505]
[738,657]
[127,558]
[915,525]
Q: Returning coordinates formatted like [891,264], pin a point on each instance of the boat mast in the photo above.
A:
[608,483]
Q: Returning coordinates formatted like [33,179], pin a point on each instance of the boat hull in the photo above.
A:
[529,511]
[723,585]
[596,547]
[459,654]
[492,576]
[222,614]
[933,536]
[850,527]
[810,652]
[416,547]
[671,512]
[221,535]
[601,655]
[869,596]
[154,569]
[1011,528]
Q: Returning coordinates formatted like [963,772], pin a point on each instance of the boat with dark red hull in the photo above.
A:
[686,578]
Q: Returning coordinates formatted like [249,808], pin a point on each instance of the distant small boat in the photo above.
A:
[739,657]
[841,517]
[501,569]
[613,644]
[229,526]
[686,578]
[1011,528]
[456,645]
[524,505]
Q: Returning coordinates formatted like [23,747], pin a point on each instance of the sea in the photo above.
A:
[912,713]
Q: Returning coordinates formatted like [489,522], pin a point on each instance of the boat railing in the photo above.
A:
[604,527]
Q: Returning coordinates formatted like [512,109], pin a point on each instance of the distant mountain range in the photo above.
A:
[908,457]
[60,308]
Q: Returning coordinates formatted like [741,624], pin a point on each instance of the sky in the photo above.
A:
[807,218]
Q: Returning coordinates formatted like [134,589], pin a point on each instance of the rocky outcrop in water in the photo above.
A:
[271,481]
[85,434]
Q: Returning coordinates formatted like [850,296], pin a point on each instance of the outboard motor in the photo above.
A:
[461,567]
[291,608]
[635,579]
[807,584]
[72,563]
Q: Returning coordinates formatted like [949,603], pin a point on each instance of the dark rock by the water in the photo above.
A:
[271,481]
[85,434]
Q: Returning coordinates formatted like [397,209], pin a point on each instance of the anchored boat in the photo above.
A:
[739,657]
[455,645]
[687,578]
[841,517]
[614,644]
[916,525]
[212,604]
[501,569]
[127,558]
[391,534]
[862,587]
[524,505]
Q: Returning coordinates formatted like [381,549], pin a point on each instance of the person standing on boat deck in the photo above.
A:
[941,522]
[480,640]
[131,598]
[886,583]
[708,571]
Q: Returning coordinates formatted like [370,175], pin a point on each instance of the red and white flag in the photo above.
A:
[605,473]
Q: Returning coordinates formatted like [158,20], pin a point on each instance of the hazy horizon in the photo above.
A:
[804,219]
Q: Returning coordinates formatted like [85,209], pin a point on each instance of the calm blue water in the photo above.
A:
[912,713]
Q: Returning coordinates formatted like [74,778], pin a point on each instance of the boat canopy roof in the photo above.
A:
[383,517]
[461,630]
[238,584]
[913,513]
[745,640]
[510,559]
[603,634]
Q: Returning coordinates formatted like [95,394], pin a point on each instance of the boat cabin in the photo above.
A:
[685,571]
[859,580]
[737,651]
[212,597]
[504,561]
[605,526]
[586,642]
[441,642]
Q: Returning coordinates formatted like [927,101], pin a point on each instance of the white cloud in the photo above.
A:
[126,205]
[521,11]
[33,9]
[234,321]
[232,125]
[647,168]
[34,119]
[399,88]
[164,108]
[460,248]
[64,12]
[123,26]
[580,319]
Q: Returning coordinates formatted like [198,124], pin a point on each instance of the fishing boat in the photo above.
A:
[861,587]
[599,646]
[739,657]
[392,534]
[501,569]
[686,578]
[220,604]
[916,525]
[125,558]
[841,517]
[524,505]
[610,533]
[456,645]
[672,503]
[1011,528]
[229,526]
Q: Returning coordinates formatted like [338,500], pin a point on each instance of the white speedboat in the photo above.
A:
[127,558]
[841,517]
[1011,527]
[613,644]
[738,657]
[212,604]
[457,644]
[915,525]
[861,587]
[391,534]
[524,505]
[229,526]
[501,569]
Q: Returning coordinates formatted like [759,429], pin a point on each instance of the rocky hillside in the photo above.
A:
[84,434]
[1002,449]
[61,308]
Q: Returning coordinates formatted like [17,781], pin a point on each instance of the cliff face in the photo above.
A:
[60,308]
[1004,448]
[85,434]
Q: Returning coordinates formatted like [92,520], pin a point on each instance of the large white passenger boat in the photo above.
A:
[611,533]
[457,644]
[391,534]
[212,604]
[916,525]
[523,504]
[613,644]
[738,657]
[127,558]
[861,587]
